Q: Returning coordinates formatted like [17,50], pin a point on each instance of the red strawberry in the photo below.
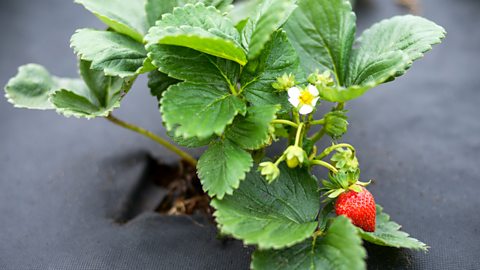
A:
[359,207]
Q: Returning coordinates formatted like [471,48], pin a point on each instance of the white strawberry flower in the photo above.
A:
[303,99]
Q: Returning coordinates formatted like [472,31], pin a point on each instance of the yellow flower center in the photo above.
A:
[306,98]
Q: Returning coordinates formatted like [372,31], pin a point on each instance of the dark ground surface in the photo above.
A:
[63,181]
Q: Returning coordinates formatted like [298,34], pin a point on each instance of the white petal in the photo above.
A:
[314,101]
[306,109]
[294,92]
[313,90]
[294,101]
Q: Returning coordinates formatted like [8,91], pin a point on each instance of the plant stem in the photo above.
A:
[328,150]
[284,122]
[318,122]
[185,156]
[299,134]
[324,164]
[317,136]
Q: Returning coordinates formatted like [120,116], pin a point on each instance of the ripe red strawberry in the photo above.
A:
[359,207]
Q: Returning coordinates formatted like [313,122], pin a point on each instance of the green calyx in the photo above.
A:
[269,170]
[321,80]
[284,82]
[345,160]
[341,182]
[295,156]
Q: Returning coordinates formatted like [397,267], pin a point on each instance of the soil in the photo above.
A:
[185,195]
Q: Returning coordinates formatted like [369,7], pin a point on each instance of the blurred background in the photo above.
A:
[63,181]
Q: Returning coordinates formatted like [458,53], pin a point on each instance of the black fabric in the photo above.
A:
[63,182]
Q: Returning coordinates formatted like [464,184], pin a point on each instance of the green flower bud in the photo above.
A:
[269,170]
[285,82]
[336,124]
[345,160]
[321,79]
[295,155]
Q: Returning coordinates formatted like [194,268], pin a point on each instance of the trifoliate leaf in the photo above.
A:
[194,66]
[387,233]
[200,28]
[278,58]
[409,36]
[156,8]
[275,215]
[252,131]
[198,110]
[124,16]
[269,16]
[322,32]
[32,86]
[340,249]
[158,82]
[222,167]
[101,95]
[114,53]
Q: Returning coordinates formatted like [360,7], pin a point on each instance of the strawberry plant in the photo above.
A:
[237,83]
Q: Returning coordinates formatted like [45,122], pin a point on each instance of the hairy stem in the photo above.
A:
[185,156]
[317,136]
[284,122]
[299,134]
[318,122]
[324,164]
[328,150]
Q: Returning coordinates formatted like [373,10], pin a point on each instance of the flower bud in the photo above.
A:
[295,155]
[284,83]
[269,170]
[321,79]
[336,124]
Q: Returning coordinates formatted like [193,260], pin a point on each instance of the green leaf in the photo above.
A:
[114,53]
[193,142]
[322,32]
[194,66]
[223,5]
[277,58]
[387,233]
[159,82]
[340,249]
[98,98]
[222,167]
[197,110]
[69,103]
[200,28]
[156,8]
[242,10]
[270,15]
[32,86]
[396,42]
[216,36]
[124,16]
[274,215]
[252,131]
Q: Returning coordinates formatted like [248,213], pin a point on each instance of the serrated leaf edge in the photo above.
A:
[231,188]
[94,63]
[424,247]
